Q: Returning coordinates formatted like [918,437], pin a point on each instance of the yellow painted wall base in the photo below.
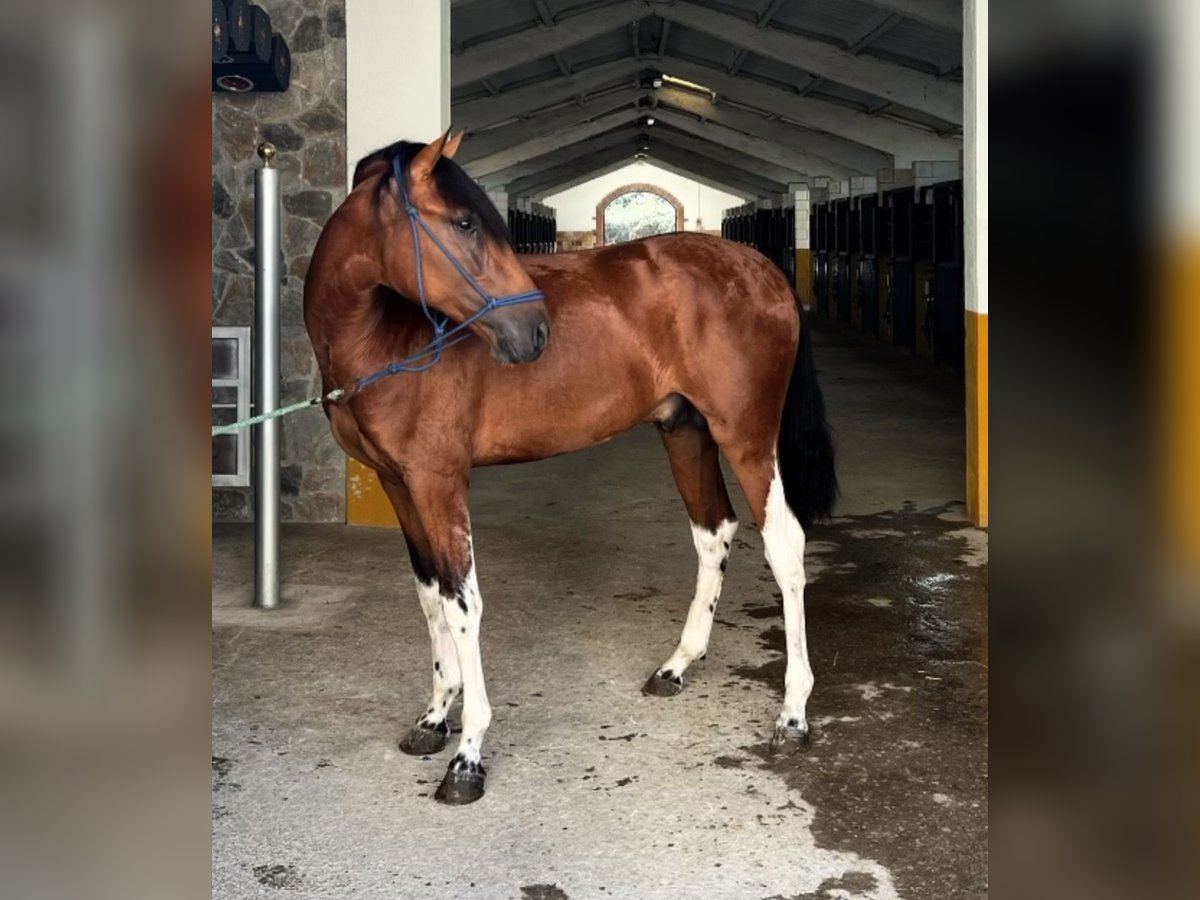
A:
[1180,486]
[366,503]
[804,287]
[977,417]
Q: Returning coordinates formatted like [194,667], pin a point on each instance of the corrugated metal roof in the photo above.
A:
[743,9]
[841,23]
[613,45]
[915,116]
[473,91]
[560,8]
[471,23]
[775,72]
[517,76]
[697,45]
[919,44]
[837,21]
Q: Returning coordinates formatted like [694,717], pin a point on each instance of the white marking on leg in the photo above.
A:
[784,541]
[464,612]
[712,549]
[447,681]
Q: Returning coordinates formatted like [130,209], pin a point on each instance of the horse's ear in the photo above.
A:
[423,163]
[452,145]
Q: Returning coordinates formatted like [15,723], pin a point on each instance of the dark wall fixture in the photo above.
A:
[247,55]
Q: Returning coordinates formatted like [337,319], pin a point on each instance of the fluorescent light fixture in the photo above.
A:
[690,85]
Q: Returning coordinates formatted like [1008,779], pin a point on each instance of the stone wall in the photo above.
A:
[307,124]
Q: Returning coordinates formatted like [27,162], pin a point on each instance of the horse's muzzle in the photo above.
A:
[521,342]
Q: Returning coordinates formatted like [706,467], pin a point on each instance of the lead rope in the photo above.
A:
[443,339]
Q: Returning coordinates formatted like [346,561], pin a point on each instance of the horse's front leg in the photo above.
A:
[430,731]
[440,503]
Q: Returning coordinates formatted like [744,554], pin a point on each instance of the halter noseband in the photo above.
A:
[438,320]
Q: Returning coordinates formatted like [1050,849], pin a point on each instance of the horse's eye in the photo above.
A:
[464,224]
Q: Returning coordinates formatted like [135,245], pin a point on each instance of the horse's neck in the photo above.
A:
[379,326]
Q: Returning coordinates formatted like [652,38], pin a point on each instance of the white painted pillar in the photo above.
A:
[975,247]
[397,88]
[800,198]
[397,73]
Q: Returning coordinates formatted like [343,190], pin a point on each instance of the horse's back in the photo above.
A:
[685,284]
[701,263]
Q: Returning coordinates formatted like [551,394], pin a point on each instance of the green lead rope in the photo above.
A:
[332,396]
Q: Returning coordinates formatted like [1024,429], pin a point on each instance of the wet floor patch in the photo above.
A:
[543,892]
[897,770]
[280,877]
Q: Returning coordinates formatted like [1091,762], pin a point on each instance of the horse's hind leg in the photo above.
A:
[431,729]
[697,469]
[757,471]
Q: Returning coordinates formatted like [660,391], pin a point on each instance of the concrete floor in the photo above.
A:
[594,790]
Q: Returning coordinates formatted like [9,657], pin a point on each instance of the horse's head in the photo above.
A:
[465,251]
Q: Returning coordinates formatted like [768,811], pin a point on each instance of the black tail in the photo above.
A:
[805,444]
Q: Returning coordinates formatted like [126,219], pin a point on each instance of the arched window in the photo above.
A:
[636,211]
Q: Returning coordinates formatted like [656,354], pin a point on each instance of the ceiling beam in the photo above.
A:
[689,165]
[853,156]
[472,115]
[571,173]
[722,163]
[738,189]
[485,143]
[544,14]
[753,146]
[560,155]
[696,166]
[904,142]
[765,17]
[737,163]
[490,57]
[528,149]
[859,44]
[947,14]
[547,191]
[898,84]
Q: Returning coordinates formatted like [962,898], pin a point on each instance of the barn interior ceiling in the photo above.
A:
[742,94]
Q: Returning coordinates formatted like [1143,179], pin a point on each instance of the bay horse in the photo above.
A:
[698,335]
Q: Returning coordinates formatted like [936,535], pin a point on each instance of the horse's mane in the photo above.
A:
[456,186]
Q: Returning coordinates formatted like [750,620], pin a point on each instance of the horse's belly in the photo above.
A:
[550,423]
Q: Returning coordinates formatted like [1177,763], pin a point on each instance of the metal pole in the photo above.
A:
[267,264]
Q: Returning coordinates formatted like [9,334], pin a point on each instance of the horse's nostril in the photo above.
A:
[541,336]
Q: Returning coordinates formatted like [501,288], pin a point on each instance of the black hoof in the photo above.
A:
[460,788]
[421,740]
[663,684]
[788,739]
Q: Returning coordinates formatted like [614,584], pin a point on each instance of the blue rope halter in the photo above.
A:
[431,354]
